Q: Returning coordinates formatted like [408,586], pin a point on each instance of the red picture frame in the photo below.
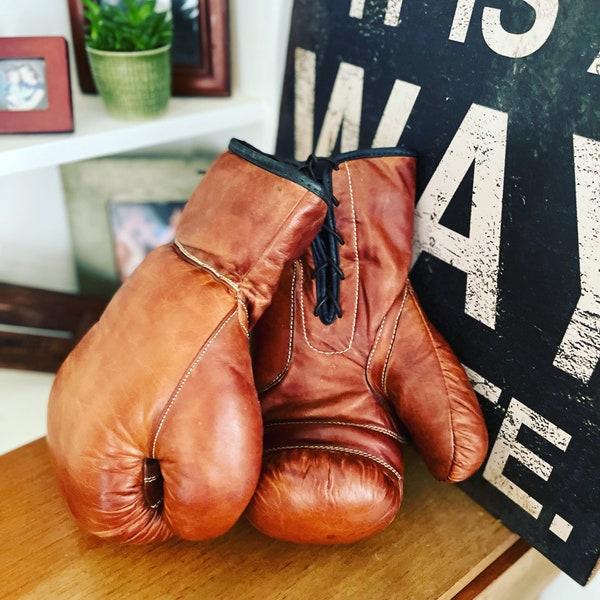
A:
[35,90]
[208,76]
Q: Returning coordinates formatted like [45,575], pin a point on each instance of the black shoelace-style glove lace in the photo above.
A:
[328,273]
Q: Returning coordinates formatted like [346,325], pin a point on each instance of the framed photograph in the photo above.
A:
[199,54]
[139,227]
[119,207]
[35,90]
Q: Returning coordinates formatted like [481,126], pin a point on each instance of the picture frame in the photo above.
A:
[92,187]
[35,88]
[204,29]
[138,227]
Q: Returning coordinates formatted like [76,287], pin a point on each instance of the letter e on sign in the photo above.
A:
[506,445]
[481,138]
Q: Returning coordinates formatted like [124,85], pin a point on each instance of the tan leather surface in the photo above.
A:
[415,368]
[250,239]
[312,496]
[161,387]
[333,463]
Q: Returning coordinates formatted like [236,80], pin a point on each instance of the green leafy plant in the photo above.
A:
[134,26]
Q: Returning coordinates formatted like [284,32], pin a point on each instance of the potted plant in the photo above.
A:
[128,46]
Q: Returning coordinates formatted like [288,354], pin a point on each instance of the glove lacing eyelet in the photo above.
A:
[327,271]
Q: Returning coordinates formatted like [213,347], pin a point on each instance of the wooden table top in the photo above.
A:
[438,543]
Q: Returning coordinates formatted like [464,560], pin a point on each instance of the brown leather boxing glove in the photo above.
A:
[154,426]
[342,389]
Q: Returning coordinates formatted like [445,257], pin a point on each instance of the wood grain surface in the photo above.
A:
[440,541]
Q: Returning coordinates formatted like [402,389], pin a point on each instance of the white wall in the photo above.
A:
[35,244]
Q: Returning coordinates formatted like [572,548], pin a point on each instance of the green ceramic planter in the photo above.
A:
[133,85]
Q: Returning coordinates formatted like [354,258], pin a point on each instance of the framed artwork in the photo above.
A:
[35,90]
[120,207]
[139,227]
[199,53]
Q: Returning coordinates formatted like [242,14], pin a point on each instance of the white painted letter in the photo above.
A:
[481,138]
[343,111]
[595,66]
[461,21]
[395,115]
[579,351]
[304,102]
[357,8]
[392,13]
[482,386]
[517,45]
[506,445]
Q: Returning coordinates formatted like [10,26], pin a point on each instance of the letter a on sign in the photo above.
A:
[481,138]
[579,350]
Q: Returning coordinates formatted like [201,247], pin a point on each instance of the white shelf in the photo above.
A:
[98,134]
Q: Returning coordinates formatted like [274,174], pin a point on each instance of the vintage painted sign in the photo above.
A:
[501,99]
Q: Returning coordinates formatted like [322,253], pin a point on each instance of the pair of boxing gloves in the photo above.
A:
[164,421]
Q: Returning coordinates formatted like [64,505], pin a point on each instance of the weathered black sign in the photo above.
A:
[501,99]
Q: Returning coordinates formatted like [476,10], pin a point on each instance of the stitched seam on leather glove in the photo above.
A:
[342,449]
[184,379]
